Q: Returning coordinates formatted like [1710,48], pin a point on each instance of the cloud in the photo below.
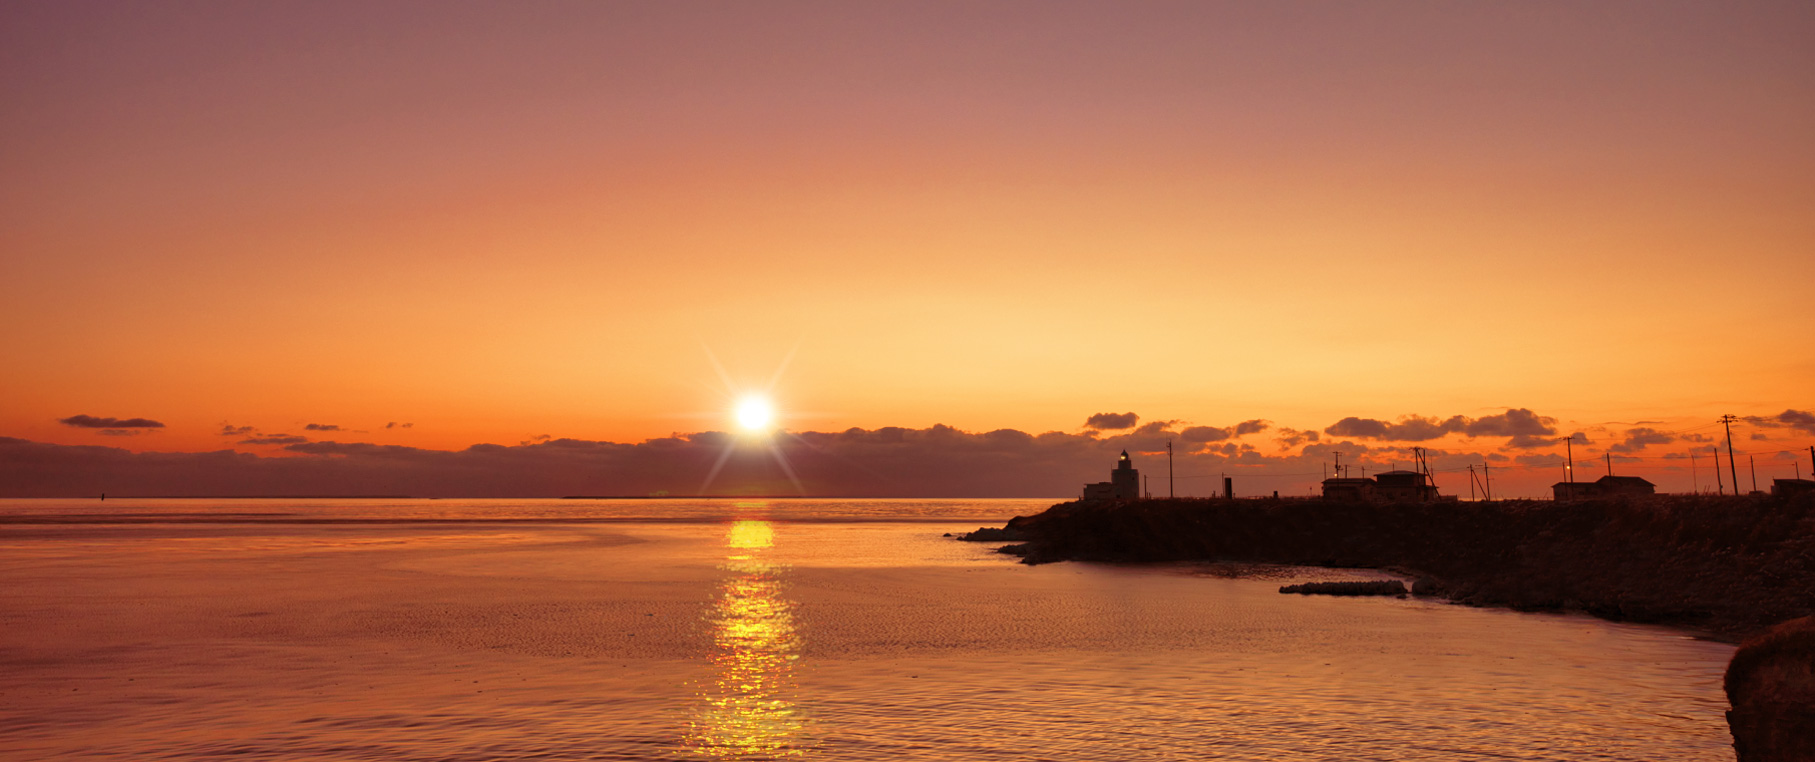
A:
[322,427]
[1639,438]
[938,461]
[92,422]
[1527,442]
[120,432]
[1409,429]
[1255,426]
[1204,434]
[1521,424]
[230,430]
[1220,433]
[396,425]
[1290,438]
[1797,420]
[275,439]
[1517,422]
[1112,421]
[537,439]
[1536,459]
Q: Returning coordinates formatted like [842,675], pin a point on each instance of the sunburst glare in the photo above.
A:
[755,414]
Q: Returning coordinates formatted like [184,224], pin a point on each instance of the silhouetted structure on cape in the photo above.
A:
[1124,483]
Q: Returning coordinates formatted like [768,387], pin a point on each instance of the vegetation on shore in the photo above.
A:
[1730,566]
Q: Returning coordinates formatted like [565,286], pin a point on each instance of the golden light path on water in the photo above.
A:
[745,710]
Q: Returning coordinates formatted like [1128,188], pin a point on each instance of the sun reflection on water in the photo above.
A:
[745,710]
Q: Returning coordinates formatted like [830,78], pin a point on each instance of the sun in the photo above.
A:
[755,413]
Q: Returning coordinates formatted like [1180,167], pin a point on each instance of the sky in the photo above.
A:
[431,226]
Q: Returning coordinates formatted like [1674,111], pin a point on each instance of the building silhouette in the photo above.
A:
[1788,487]
[1389,486]
[1602,487]
[1124,483]
[1404,486]
[1345,488]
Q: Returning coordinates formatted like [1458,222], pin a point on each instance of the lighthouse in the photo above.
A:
[1124,483]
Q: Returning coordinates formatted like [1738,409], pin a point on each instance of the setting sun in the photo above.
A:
[755,413]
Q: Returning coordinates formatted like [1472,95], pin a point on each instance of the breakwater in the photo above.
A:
[1728,566]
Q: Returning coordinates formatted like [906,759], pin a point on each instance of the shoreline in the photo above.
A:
[1729,567]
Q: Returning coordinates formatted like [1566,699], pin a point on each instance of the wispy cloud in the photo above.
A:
[275,439]
[94,422]
[1801,421]
[1639,438]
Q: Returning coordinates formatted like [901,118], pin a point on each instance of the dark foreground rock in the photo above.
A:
[1369,587]
[993,534]
[1729,566]
[1771,686]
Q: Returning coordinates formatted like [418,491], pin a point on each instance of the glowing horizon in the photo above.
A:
[410,228]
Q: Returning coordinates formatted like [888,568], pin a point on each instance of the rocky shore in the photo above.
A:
[1727,566]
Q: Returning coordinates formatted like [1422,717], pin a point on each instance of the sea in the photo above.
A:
[754,629]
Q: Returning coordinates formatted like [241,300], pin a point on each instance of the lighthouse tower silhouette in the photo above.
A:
[1124,483]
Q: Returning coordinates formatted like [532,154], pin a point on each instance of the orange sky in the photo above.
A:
[496,221]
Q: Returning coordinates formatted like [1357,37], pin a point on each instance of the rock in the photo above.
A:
[993,534]
[1771,686]
[1372,587]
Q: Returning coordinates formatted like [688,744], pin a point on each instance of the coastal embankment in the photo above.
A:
[1728,566]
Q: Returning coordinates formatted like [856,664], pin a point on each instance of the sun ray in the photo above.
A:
[781,459]
[719,367]
[730,446]
[782,368]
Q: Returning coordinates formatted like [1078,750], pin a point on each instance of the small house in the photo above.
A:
[1789,487]
[1603,487]
[1349,489]
[1404,486]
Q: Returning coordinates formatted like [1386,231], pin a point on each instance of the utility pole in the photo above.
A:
[1169,490]
[1339,473]
[1471,482]
[1569,462]
[1695,482]
[1487,482]
[1732,469]
[1753,464]
[1719,488]
[1609,463]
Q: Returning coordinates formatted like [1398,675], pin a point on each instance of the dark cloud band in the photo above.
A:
[94,422]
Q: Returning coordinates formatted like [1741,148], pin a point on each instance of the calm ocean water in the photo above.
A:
[477,630]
